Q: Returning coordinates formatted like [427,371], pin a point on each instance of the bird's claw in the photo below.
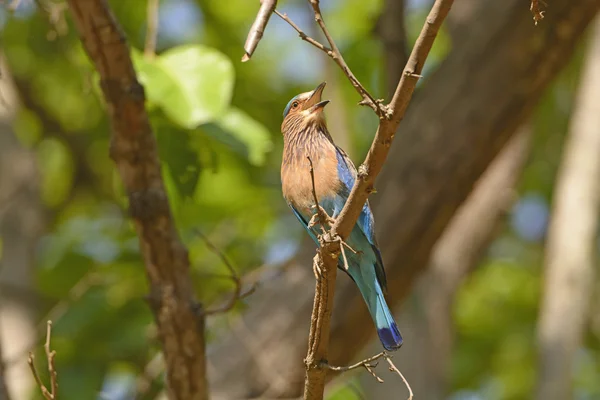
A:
[318,216]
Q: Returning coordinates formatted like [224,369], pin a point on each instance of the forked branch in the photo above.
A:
[52,393]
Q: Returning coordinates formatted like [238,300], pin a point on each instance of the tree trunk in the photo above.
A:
[571,247]
[465,113]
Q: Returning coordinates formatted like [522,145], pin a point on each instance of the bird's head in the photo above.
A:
[304,110]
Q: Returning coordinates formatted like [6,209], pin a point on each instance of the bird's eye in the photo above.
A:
[295,104]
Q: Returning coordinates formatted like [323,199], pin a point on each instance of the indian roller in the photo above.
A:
[305,136]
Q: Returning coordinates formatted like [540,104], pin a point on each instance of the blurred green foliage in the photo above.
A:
[217,124]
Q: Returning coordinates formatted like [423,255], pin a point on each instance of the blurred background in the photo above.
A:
[486,211]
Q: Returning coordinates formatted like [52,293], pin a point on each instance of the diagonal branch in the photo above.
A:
[179,317]
[336,55]
[384,136]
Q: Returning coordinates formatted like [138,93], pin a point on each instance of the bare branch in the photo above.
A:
[367,364]
[393,368]
[303,35]
[179,316]
[50,357]
[151,28]
[258,27]
[368,171]
[336,55]
[50,354]
[233,276]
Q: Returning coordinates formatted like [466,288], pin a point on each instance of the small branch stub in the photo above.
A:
[536,10]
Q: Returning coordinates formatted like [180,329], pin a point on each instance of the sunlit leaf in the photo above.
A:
[236,127]
[193,84]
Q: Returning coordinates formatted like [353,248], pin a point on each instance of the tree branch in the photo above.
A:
[53,392]
[151,28]
[258,27]
[179,317]
[368,171]
[570,254]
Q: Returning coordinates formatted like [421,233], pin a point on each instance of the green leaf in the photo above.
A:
[243,133]
[193,84]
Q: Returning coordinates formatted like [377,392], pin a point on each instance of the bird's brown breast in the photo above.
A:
[296,178]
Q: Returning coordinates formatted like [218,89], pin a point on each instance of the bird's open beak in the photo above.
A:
[314,103]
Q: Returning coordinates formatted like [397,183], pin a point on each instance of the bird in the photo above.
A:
[307,144]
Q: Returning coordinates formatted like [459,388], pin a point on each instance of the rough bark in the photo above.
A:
[179,317]
[570,257]
[22,220]
[465,113]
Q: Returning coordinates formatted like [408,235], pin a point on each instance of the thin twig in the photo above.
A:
[395,369]
[258,27]
[50,354]
[536,11]
[233,276]
[367,364]
[320,215]
[303,35]
[88,281]
[50,357]
[336,55]
[377,155]
[151,28]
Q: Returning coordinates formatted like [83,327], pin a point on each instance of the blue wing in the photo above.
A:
[366,222]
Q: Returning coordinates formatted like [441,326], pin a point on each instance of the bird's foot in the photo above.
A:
[320,217]
[349,248]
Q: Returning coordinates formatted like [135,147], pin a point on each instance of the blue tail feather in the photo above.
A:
[388,331]
[370,289]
